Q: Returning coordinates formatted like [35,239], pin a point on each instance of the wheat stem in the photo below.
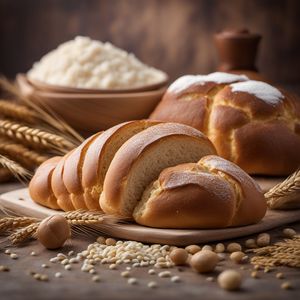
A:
[34,137]
[25,156]
[22,234]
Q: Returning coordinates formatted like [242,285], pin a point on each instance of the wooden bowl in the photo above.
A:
[89,113]
[62,89]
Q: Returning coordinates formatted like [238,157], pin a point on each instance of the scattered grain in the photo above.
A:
[250,243]
[179,256]
[279,275]
[204,261]
[152,285]
[220,248]
[14,256]
[289,232]
[238,257]
[132,281]
[96,278]
[263,240]
[192,249]
[234,247]
[164,274]
[230,280]
[286,285]
[175,279]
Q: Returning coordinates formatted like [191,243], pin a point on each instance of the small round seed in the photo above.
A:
[286,285]
[125,274]
[33,253]
[279,275]
[175,279]
[230,280]
[101,240]
[110,242]
[7,251]
[204,261]
[70,253]
[44,277]
[210,279]
[58,275]
[96,278]
[238,257]
[234,247]
[113,267]
[132,281]
[4,269]
[164,274]
[207,247]
[250,243]
[13,256]
[263,240]
[68,267]
[179,256]
[152,285]
[220,248]
[45,266]
[192,249]
[254,274]
[289,232]
[151,272]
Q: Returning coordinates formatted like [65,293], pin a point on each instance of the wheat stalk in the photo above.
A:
[17,111]
[15,168]
[285,195]
[8,224]
[44,113]
[22,234]
[25,156]
[81,221]
[34,137]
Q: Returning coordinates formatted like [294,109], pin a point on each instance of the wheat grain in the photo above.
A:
[34,137]
[16,169]
[17,112]
[23,234]
[286,253]
[84,217]
[8,224]
[285,195]
[25,156]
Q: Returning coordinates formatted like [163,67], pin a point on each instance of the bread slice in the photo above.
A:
[72,175]
[213,193]
[141,159]
[59,190]
[40,185]
[100,153]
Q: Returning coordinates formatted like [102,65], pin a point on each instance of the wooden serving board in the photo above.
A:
[19,201]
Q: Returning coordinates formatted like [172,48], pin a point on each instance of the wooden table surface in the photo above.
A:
[75,284]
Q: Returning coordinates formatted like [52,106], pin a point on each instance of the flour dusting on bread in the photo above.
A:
[186,81]
[259,89]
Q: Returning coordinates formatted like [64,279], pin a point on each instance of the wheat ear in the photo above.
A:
[16,169]
[22,234]
[8,224]
[25,156]
[44,112]
[17,112]
[285,195]
[34,137]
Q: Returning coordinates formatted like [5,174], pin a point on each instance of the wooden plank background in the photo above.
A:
[174,35]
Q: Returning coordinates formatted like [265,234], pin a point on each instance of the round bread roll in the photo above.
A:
[140,160]
[251,123]
[40,185]
[213,193]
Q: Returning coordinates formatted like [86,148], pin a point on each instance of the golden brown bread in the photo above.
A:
[250,123]
[140,160]
[40,186]
[77,179]
[213,193]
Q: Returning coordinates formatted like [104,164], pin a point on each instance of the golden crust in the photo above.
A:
[242,127]
[213,193]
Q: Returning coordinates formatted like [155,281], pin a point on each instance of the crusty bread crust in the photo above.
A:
[113,198]
[213,193]
[40,189]
[262,138]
